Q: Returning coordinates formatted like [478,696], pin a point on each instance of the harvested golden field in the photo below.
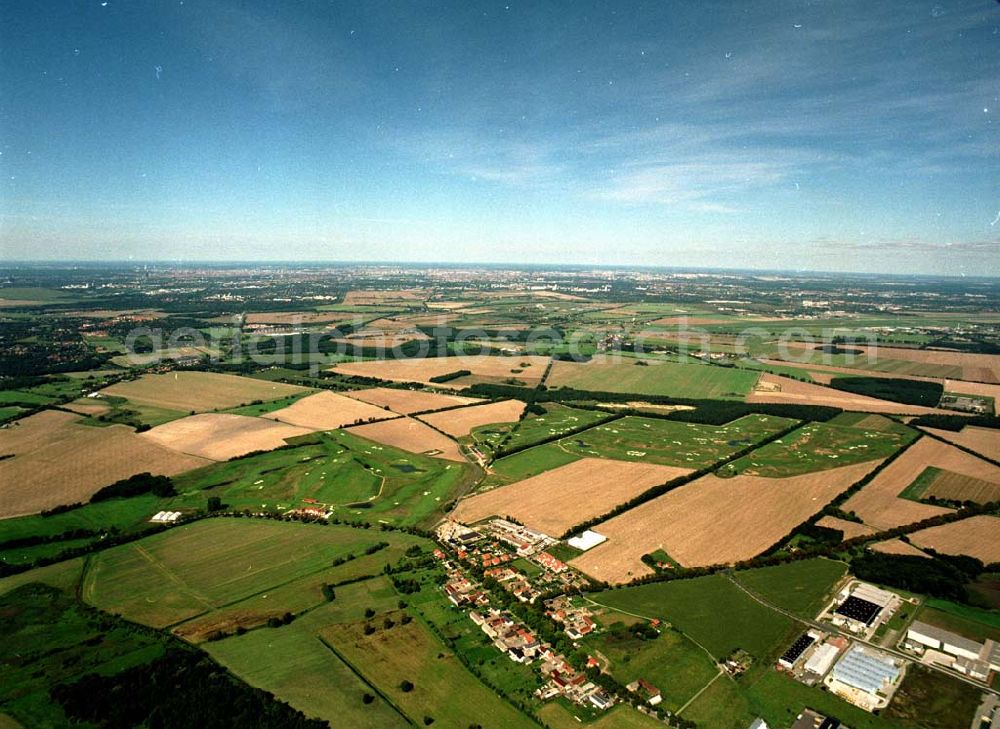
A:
[973,388]
[898,547]
[457,423]
[527,368]
[384,340]
[556,500]
[408,402]
[939,362]
[220,436]
[199,391]
[295,317]
[411,435]
[977,536]
[778,389]
[879,505]
[985,441]
[58,461]
[88,406]
[850,529]
[328,410]
[713,521]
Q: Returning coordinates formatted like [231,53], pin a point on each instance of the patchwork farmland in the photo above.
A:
[713,521]
[880,504]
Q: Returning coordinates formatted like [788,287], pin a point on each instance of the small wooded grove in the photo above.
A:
[183,688]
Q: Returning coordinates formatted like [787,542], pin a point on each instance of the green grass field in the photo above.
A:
[443,690]
[557,420]
[195,569]
[48,638]
[816,447]
[23,397]
[974,623]
[268,407]
[671,662]
[711,610]
[698,381]
[802,588]
[669,442]
[300,669]
[635,438]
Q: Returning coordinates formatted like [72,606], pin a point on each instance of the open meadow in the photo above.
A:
[626,375]
[712,521]
[179,574]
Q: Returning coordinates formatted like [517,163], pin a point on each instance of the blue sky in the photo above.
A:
[858,136]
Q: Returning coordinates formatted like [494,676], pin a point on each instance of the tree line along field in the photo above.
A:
[817,447]
[695,380]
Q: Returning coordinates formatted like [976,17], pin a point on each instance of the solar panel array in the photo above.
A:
[797,648]
[864,671]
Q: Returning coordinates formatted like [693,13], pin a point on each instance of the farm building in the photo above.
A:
[822,658]
[809,719]
[586,540]
[791,656]
[861,605]
[864,677]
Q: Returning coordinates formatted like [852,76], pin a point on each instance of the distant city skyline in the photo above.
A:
[849,136]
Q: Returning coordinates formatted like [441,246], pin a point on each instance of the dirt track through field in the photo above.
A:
[219,436]
[462,421]
[713,521]
[58,461]
[878,504]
